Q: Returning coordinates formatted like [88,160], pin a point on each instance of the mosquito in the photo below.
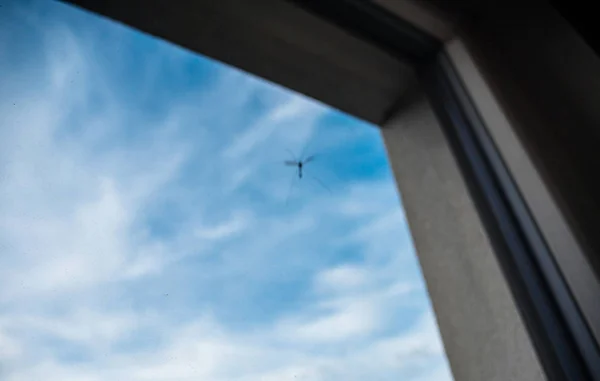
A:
[300,165]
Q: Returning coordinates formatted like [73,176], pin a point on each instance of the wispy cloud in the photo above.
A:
[295,112]
[342,277]
[224,230]
[148,238]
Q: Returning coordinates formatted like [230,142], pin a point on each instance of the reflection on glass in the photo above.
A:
[167,217]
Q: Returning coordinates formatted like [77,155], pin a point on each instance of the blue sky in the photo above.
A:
[150,231]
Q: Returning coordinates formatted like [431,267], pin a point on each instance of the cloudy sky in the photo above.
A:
[150,231]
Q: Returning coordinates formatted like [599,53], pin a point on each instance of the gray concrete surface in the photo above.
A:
[542,204]
[484,336]
[536,84]
[545,74]
[422,15]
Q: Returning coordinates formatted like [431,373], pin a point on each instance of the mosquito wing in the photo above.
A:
[291,163]
[309,159]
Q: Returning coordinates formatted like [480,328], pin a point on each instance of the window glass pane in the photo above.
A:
[166,217]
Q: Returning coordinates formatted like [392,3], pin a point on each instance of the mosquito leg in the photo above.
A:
[292,154]
[321,184]
[287,198]
[304,150]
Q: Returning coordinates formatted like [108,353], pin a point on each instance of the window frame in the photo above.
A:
[555,322]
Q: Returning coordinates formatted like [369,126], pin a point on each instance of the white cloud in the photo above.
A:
[10,347]
[356,306]
[348,322]
[289,112]
[70,217]
[69,207]
[342,278]
[93,330]
[201,350]
[227,229]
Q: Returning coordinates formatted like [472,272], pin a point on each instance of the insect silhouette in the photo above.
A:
[300,165]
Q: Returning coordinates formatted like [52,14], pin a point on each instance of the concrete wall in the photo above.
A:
[536,84]
[544,72]
[483,333]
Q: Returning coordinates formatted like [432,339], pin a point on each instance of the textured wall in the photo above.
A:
[545,73]
[483,333]
[544,120]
